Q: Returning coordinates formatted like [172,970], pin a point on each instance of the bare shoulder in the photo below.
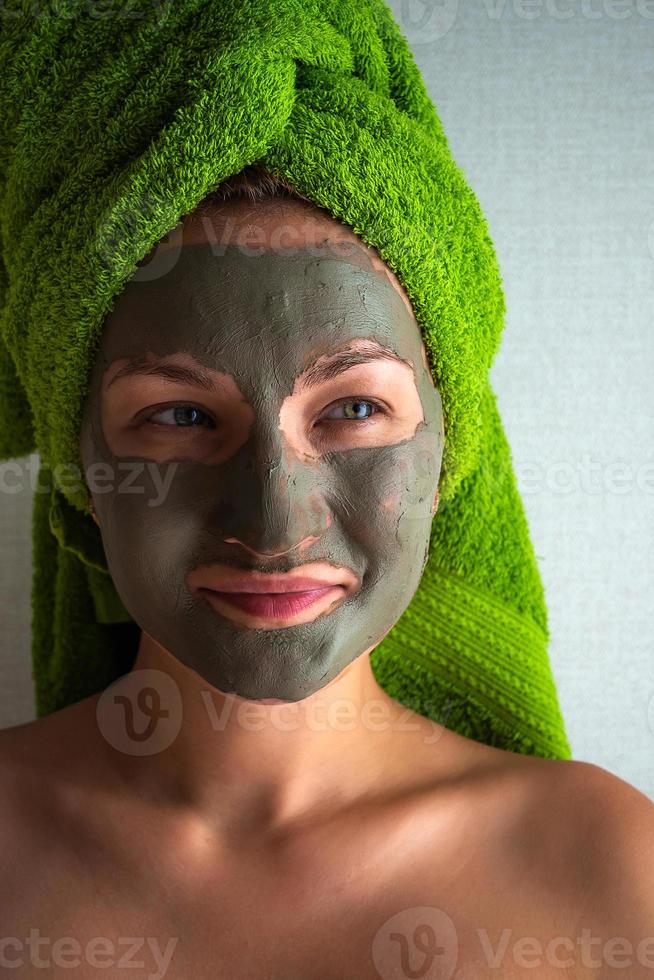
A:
[29,790]
[597,830]
[618,806]
[598,801]
[30,757]
[616,826]
[615,823]
[562,851]
[604,817]
[43,763]
[48,787]
[35,747]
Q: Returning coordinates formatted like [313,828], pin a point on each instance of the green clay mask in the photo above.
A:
[266,463]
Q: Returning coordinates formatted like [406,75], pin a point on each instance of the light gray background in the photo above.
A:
[548,107]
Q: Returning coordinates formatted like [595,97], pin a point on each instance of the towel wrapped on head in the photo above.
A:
[112,129]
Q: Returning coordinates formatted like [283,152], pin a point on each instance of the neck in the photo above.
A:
[242,765]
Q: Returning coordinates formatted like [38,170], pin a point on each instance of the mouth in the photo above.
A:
[262,600]
[274,608]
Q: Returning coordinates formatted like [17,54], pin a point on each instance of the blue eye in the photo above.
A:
[358,404]
[185,416]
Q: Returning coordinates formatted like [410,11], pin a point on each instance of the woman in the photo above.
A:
[279,813]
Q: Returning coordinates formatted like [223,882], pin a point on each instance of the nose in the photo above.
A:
[277,506]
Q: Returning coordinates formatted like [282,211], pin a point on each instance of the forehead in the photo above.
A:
[277,225]
[247,310]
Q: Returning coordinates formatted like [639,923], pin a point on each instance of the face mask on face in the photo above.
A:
[267,459]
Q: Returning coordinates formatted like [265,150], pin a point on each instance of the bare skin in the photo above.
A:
[309,874]
[311,840]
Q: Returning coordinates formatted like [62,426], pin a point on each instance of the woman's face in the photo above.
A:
[232,433]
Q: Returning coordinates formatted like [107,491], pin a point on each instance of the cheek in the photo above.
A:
[146,547]
[136,540]
[410,486]
[391,503]
[394,492]
[393,533]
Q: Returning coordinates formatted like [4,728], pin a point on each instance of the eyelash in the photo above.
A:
[380,409]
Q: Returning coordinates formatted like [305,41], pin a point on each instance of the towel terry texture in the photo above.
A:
[114,124]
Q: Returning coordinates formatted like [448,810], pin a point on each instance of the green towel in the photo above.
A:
[117,121]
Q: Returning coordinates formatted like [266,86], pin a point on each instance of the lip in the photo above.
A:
[280,608]
[261,599]
[271,585]
[304,578]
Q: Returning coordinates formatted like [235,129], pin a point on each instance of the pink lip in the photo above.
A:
[274,605]
[261,599]
[304,578]
[269,585]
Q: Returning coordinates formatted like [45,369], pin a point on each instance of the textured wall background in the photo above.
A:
[548,106]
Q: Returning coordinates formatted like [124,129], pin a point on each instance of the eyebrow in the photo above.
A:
[142,367]
[341,361]
[312,377]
